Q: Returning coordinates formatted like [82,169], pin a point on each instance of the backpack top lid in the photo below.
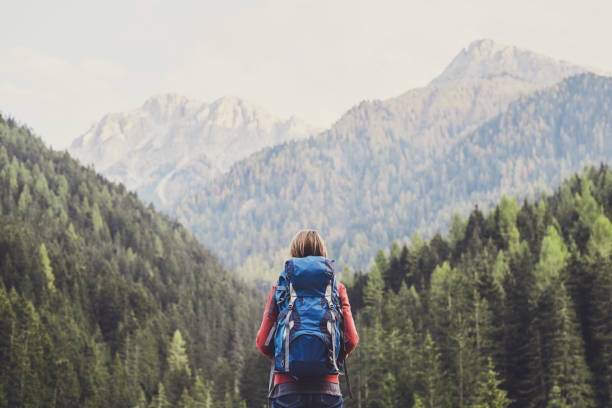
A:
[310,275]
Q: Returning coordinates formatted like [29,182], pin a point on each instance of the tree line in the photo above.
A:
[511,308]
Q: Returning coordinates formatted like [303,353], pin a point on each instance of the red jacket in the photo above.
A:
[269,318]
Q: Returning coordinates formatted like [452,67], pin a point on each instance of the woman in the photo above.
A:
[311,392]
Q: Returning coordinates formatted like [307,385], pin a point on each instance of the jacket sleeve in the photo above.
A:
[352,338]
[267,324]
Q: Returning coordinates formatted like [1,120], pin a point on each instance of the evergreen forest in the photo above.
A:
[510,309]
[103,301]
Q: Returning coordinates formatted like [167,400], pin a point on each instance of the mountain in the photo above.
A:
[172,145]
[540,139]
[362,181]
[487,59]
[104,301]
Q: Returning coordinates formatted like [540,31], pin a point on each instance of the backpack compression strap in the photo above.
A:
[331,324]
[289,324]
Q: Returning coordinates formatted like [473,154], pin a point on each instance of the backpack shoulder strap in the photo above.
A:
[332,322]
[288,323]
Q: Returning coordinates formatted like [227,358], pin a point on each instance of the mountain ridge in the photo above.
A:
[484,58]
[365,192]
[169,129]
[408,133]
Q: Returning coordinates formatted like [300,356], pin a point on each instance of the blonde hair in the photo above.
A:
[307,243]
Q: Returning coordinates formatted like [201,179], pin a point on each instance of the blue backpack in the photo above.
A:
[308,336]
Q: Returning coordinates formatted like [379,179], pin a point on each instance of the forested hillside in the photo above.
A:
[511,308]
[537,142]
[103,301]
[365,185]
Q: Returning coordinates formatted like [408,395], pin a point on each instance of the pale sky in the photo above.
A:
[65,64]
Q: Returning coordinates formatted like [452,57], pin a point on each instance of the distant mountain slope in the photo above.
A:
[537,142]
[359,181]
[158,149]
[103,301]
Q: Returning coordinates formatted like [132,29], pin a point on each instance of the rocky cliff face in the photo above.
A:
[173,145]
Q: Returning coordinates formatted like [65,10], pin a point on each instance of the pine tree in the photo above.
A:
[490,394]
[432,384]
[519,352]
[587,206]
[177,355]
[600,241]
[553,258]
[185,401]
[601,327]
[47,269]
[120,393]
[568,367]
[25,199]
[27,361]
[508,211]
[160,400]
[373,296]
[201,394]
[96,218]
[253,381]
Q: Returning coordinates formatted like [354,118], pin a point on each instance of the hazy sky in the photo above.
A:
[64,64]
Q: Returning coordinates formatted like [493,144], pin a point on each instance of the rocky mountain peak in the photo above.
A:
[233,112]
[487,59]
[166,105]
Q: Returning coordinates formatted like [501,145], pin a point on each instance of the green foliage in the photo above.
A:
[201,394]
[511,312]
[160,400]
[373,295]
[431,378]
[103,301]
[600,242]
[508,211]
[490,394]
[254,381]
[553,258]
[177,355]
[418,403]
[46,266]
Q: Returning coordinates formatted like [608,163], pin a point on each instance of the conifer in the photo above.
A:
[160,400]
[490,394]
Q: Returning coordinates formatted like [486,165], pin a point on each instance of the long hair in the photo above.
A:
[307,243]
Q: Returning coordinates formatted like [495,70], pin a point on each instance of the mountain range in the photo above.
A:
[387,168]
[172,145]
